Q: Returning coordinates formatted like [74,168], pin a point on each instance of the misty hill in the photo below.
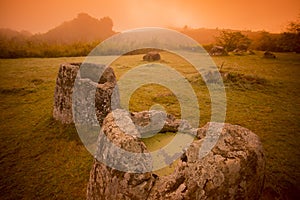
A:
[9,33]
[83,28]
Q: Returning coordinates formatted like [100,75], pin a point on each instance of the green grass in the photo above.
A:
[39,158]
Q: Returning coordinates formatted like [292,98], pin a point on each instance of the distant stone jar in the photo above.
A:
[269,54]
[151,56]
[218,51]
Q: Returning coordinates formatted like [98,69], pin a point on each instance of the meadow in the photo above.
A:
[43,159]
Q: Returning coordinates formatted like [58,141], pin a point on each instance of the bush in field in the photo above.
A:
[233,40]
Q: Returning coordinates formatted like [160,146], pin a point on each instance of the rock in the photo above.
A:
[88,85]
[218,51]
[151,56]
[63,92]
[239,52]
[242,52]
[250,52]
[233,169]
[152,122]
[213,77]
[268,54]
[109,183]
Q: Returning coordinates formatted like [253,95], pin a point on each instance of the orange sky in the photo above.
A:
[41,15]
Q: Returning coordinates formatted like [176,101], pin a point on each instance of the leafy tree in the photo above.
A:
[266,42]
[290,40]
[294,27]
[233,40]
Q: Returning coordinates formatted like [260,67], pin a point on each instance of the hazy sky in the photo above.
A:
[42,15]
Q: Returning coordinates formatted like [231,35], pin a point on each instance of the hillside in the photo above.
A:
[9,33]
[83,28]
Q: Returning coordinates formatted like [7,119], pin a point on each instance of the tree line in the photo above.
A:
[20,46]
[288,41]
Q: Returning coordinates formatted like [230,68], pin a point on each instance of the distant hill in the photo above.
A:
[9,33]
[83,28]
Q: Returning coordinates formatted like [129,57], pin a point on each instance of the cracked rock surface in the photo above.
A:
[233,169]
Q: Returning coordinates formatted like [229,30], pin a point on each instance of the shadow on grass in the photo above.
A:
[58,130]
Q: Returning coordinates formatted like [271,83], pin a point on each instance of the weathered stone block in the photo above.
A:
[89,88]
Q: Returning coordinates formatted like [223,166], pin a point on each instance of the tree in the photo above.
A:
[290,40]
[233,40]
[294,26]
[266,42]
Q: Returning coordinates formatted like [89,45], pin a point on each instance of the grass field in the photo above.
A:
[42,159]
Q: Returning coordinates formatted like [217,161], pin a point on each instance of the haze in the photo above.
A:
[40,16]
